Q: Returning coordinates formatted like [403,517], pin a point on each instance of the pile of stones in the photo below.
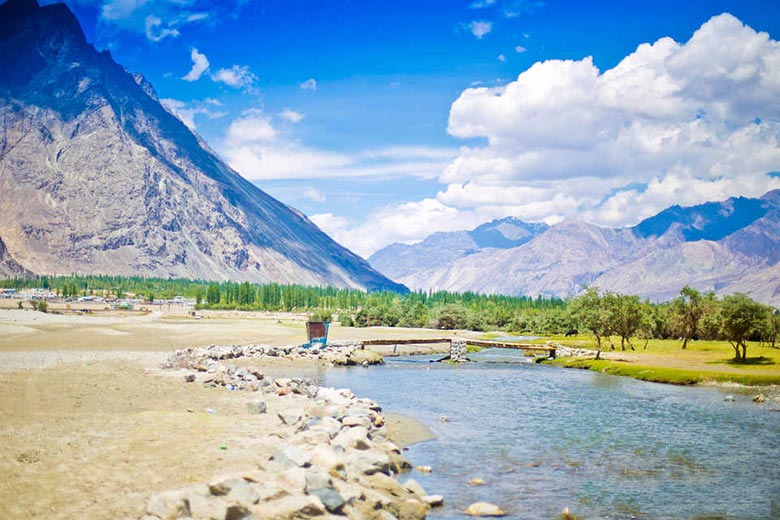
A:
[346,354]
[334,461]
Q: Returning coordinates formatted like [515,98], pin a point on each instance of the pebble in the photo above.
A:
[477,482]
[424,469]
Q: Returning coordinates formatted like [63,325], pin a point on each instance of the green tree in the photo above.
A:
[685,311]
[741,318]
[626,316]
[773,327]
[213,294]
[592,312]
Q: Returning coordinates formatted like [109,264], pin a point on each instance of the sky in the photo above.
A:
[388,121]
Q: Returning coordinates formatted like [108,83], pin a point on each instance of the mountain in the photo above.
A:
[97,177]
[440,249]
[727,246]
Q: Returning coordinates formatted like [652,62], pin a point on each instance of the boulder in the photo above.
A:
[257,407]
[290,506]
[484,509]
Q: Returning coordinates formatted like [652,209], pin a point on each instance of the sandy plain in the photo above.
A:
[90,426]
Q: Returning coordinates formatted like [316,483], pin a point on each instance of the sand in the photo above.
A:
[91,427]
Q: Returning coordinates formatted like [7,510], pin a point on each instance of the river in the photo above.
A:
[544,438]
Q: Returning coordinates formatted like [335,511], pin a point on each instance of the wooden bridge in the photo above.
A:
[549,348]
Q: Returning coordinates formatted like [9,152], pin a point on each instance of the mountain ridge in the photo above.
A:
[727,246]
[98,177]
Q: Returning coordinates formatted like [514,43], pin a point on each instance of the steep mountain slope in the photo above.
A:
[727,246]
[440,249]
[97,177]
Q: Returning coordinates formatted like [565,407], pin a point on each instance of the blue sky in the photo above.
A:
[386,121]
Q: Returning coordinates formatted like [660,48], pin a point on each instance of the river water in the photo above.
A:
[544,438]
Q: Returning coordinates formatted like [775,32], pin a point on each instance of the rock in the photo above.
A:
[410,509]
[759,398]
[312,391]
[290,417]
[243,493]
[414,488]
[476,481]
[444,419]
[330,498]
[433,500]
[729,398]
[222,487]
[207,507]
[189,378]
[355,437]
[291,456]
[237,512]
[484,509]
[290,506]
[424,469]
[257,407]
[387,485]
[171,504]
[356,421]
[367,463]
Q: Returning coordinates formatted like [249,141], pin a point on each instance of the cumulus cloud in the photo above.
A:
[671,123]
[480,28]
[237,76]
[291,116]
[520,49]
[314,195]
[309,84]
[199,65]
[501,58]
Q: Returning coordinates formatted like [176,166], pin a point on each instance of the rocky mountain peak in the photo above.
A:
[97,177]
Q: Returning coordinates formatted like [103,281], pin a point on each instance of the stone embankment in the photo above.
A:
[333,460]
[201,359]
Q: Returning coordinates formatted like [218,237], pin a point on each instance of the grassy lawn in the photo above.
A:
[665,362]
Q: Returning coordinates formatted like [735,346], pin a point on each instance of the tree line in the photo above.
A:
[691,315]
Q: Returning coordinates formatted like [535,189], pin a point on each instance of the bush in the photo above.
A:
[346,320]
[321,315]
[43,306]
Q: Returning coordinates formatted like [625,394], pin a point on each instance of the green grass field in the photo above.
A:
[664,361]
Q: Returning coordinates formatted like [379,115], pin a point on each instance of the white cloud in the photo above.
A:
[309,84]
[672,123]
[501,58]
[161,19]
[480,28]
[237,76]
[252,127]
[291,116]
[187,111]
[156,30]
[314,195]
[257,150]
[520,49]
[684,122]
[481,4]
[199,65]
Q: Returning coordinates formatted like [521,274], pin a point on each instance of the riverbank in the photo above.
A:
[663,361]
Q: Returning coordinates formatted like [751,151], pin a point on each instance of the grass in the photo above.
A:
[663,361]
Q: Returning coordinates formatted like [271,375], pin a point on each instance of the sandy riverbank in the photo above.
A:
[93,428]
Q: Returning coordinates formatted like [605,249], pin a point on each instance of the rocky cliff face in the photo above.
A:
[97,177]
[728,246]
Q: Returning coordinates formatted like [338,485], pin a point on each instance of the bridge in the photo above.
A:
[458,345]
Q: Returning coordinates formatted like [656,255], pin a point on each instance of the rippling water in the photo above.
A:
[545,438]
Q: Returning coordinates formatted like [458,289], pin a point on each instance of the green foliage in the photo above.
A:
[685,312]
[346,320]
[594,312]
[741,319]
[43,306]
[321,315]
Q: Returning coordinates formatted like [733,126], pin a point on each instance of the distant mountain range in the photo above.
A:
[728,246]
[96,177]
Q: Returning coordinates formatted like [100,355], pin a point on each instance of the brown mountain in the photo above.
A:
[97,177]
